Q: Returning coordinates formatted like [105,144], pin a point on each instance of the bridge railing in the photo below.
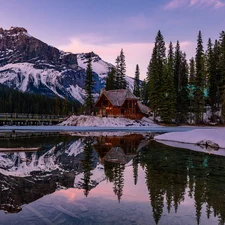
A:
[30,116]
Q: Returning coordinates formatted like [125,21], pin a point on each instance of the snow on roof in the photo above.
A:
[118,97]
[144,109]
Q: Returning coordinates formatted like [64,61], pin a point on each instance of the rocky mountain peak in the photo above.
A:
[13,31]
[30,65]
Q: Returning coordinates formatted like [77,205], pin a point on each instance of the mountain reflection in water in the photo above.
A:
[127,180]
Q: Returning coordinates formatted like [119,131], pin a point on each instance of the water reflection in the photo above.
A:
[170,173]
[173,177]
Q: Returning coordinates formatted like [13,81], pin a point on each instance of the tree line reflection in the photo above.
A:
[171,175]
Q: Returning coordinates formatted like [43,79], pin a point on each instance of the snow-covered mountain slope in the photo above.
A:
[30,65]
[58,157]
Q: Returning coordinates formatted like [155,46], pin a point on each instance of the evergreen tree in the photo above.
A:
[183,94]
[87,166]
[191,87]
[137,82]
[155,75]
[118,180]
[222,74]
[169,98]
[65,107]
[199,80]
[89,86]
[120,71]
[110,80]
[144,92]
[217,58]
[211,71]
[117,74]
[57,106]
[192,71]
[135,168]
[177,76]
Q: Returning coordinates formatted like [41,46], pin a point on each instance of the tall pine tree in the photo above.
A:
[191,87]
[110,80]
[155,75]
[199,80]
[222,74]
[122,70]
[117,74]
[120,81]
[137,82]
[183,94]
[211,74]
[144,92]
[177,76]
[89,87]
[169,97]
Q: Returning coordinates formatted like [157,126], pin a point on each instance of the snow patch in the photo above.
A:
[194,136]
[94,121]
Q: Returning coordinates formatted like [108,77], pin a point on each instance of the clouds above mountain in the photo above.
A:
[135,52]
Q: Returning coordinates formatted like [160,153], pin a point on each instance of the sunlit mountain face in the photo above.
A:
[30,65]
[109,180]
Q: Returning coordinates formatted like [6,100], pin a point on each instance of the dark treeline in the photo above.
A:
[179,91]
[14,101]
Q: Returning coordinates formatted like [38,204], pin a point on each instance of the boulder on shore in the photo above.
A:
[208,144]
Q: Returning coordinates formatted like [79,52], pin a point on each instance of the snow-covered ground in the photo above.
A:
[94,121]
[216,135]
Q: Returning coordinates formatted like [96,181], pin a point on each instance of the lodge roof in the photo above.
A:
[144,109]
[117,155]
[118,97]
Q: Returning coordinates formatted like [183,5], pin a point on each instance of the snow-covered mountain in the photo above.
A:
[30,65]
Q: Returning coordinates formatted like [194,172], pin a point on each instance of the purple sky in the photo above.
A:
[107,26]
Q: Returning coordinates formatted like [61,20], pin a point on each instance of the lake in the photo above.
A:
[109,180]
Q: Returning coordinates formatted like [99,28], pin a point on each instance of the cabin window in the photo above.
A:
[122,111]
[130,104]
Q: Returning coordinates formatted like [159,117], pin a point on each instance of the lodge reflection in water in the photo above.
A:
[170,174]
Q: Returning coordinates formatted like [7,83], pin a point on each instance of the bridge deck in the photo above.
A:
[30,119]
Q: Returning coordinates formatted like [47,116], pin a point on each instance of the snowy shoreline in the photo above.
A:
[216,135]
[94,121]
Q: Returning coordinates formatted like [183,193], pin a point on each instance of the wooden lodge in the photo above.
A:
[120,103]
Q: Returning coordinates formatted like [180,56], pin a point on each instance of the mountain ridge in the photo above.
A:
[30,65]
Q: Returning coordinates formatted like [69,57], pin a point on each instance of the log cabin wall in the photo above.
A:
[129,109]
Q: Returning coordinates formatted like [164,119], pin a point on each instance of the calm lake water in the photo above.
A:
[109,180]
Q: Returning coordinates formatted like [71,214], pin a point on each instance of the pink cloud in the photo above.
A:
[174,4]
[219,5]
[135,53]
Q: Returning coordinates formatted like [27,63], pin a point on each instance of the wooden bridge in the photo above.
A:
[30,119]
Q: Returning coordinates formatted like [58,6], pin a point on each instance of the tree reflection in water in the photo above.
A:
[171,172]
[171,175]
[87,165]
[115,152]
